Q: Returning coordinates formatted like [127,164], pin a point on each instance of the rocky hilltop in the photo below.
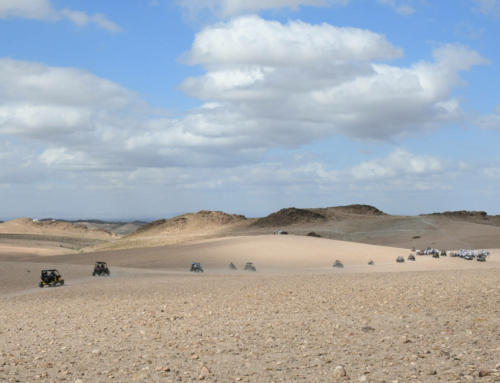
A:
[289,216]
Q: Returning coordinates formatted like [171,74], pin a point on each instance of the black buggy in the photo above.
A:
[50,278]
[249,267]
[196,268]
[101,268]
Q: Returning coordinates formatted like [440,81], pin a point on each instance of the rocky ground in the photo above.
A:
[171,327]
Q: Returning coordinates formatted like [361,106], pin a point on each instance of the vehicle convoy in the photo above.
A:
[338,264]
[50,278]
[196,268]
[232,266]
[411,257]
[101,268]
[400,260]
[250,267]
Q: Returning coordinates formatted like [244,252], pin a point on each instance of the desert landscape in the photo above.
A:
[295,319]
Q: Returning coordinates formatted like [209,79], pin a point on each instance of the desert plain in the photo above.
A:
[296,319]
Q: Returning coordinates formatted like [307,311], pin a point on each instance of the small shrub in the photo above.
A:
[417,237]
[313,234]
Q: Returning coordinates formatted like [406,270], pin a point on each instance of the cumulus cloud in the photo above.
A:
[318,80]
[290,85]
[44,10]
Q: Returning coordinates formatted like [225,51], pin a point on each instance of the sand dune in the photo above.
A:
[274,254]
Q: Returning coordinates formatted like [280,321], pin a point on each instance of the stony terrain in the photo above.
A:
[480,217]
[405,327]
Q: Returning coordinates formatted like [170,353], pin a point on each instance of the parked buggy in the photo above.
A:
[411,257]
[400,260]
[371,263]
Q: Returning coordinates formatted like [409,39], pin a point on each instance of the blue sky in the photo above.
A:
[147,109]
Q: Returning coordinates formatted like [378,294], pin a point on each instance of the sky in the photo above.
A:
[148,109]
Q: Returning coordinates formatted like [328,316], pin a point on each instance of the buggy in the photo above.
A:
[443,253]
[468,257]
[411,257]
[481,258]
[50,278]
[283,232]
[400,260]
[196,268]
[338,264]
[453,255]
[250,267]
[232,266]
[435,255]
[101,268]
[371,263]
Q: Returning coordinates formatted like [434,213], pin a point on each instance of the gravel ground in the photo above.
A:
[424,326]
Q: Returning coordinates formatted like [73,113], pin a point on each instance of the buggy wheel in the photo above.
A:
[109,273]
[62,282]
[93,274]
[53,284]
[40,285]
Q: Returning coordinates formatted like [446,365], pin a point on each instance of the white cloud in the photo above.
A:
[490,121]
[492,172]
[252,40]
[317,81]
[275,97]
[28,9]
[225,8]
[400,163]
[487,6]
[228,8]
[44,10]
[403,8]
[82,20]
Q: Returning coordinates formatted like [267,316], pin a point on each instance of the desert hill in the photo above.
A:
[28,226]
[183,228]
[290,216]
